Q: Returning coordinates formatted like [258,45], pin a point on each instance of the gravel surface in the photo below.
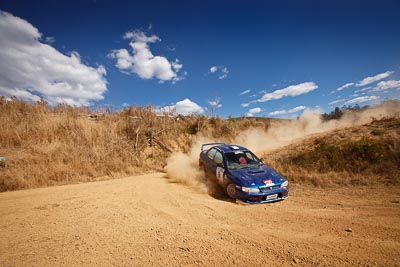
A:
[147,220]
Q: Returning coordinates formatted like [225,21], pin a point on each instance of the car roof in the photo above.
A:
[231,148]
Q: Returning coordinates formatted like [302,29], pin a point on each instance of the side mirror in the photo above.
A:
[262,160]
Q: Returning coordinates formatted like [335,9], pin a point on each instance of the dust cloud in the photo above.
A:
[282,133]
[183,168]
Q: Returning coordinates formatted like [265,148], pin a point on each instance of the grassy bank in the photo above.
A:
[362,155]
[47,146]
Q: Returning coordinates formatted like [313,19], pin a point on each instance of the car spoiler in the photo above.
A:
[210,144]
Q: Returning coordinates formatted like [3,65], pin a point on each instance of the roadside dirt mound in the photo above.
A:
[149,221]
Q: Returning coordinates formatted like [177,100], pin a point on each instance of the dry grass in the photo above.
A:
[50,146]
[58,145]
[362,155]
[46,147]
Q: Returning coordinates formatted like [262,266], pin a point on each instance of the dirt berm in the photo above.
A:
[147,220]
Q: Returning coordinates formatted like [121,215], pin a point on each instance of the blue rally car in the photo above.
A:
[242,175]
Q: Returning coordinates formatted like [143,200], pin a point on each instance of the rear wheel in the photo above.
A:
[230,190]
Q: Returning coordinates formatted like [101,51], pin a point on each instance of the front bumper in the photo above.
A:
[265,197]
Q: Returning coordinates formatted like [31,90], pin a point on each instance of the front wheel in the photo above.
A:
[230,190]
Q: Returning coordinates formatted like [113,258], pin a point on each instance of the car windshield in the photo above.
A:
[241,160]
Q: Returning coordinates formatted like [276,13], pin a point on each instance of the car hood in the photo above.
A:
[257,176]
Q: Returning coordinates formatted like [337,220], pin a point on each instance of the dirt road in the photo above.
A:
[146,220]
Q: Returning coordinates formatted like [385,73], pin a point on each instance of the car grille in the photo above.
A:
[268,188]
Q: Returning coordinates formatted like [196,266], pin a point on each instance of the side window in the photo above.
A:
[211,153]
[218,158]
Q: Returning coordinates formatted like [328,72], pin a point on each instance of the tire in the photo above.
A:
[230,190]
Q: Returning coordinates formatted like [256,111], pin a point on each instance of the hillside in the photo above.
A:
[47,146]
[361,155]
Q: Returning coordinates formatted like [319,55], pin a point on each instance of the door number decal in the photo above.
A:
[220,173]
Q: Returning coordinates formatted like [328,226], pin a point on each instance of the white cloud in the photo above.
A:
[290,111]
[293,90]
[361,99]
[344,86]
[221,71]
[171,48]
[278,112]
[215,103]
[253,111]
[381,86]
[296,109]
[375,78]
[177,65]
[362,89]
[184,107]
[245,92]
[142,61]
[30,69]
[384,85]
[337,101]
[49,40]
[224,73]
[245,105]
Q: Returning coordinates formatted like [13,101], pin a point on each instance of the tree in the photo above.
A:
[214,106]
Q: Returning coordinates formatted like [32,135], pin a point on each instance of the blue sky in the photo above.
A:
[257,58]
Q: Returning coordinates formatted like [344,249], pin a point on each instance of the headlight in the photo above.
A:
[250,190]
[285,183]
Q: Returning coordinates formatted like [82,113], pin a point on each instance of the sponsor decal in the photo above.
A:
[268,182]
